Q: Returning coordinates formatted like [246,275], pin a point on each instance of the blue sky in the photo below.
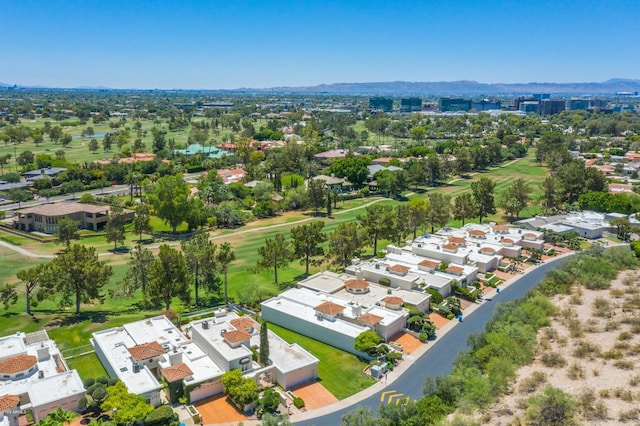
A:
[233,43]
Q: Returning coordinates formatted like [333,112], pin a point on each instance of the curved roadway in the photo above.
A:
[438,360]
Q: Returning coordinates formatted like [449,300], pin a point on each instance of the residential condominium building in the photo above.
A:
[332,319]
[45,217]
[146,352]
[34,376]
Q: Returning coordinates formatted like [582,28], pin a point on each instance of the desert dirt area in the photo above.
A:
[590,350]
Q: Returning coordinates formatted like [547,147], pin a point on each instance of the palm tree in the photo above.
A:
[224,256]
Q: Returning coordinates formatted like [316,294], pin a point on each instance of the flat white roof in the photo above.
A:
[203,367]
[325,281]
[54,385]
[411,260]
[157,329]
[55,388]
[12,345]
[115,343]
[300,303]
[285,356]
[213,335]
[377,293]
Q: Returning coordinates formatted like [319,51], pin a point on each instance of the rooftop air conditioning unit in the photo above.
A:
[205,325]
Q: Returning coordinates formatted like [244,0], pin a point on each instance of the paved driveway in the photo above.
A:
[314,395]
[217,410]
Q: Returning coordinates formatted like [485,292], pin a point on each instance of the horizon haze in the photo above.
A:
[258,45]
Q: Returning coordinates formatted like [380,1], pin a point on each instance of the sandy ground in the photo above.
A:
[594,334]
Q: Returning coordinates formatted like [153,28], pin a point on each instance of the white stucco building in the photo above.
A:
[34,376]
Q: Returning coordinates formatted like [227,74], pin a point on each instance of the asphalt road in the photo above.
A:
[438,360]
[117,190]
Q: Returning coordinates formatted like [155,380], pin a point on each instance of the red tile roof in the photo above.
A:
[18,363]
[329,308]
[530,236]
[450,247]
[457,240]
[7,402]
[393,300]
[477,233]
[429,263]
[176,372]
[146,351]
[507,240]
[243,323]
[356,284]
[501,228]
[236,336]
[487,250]
[457,270]
[400,269]
[370,318]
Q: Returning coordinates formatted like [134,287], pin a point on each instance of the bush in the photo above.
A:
[103,380]
[553,359]
[436,297]
[88,382]
[298,402]
[161,416]
[384,281]
[113,381]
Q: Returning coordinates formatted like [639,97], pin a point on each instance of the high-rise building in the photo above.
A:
[410,105]
[551,106]
[455,104]
[528,106]
[485,105]
[381,104]
[577,104]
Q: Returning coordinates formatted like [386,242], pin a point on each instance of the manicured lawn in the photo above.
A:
[340,372]
[88,366]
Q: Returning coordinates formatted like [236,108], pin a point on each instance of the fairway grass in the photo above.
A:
[339,372]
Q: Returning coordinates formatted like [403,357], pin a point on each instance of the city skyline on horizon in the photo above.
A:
[210,46]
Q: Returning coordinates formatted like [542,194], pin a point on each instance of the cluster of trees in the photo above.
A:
[172,273]
[77,276]
[241,390]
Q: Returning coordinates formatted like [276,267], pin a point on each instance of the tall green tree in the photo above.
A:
[464,207]
[168,278]
[377,223]
[306,242]
[346,242]
[551,197]
[169,196]
[224,256]
[33,278]
[142,220]
[67,231]
[114,228]
[8,295]
[401,224]
[79,276]
[275,253]
[264,344]
[482,191]
[418,209]
[316,194]
[139,272]
[516,198]
[200,256]
[439,211]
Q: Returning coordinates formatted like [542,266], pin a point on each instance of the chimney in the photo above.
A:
[359,274]
[356,310]
[43,353]
[175,357]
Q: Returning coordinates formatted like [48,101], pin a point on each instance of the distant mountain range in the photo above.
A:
[438,88]
[460,88]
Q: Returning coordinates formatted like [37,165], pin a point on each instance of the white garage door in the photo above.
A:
[206,390]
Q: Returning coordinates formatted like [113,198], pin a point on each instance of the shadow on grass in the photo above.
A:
[98,317]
